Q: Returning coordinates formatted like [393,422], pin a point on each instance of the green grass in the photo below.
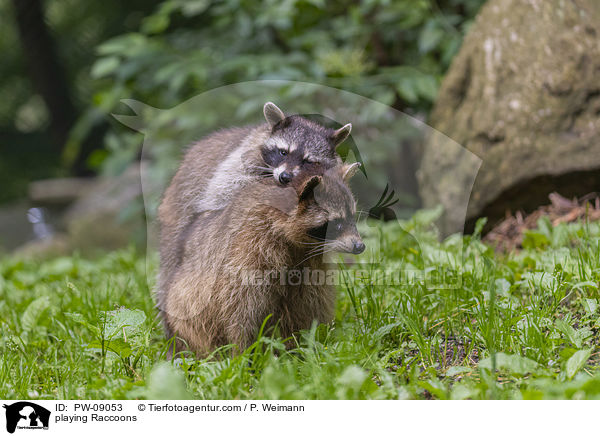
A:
[522,325]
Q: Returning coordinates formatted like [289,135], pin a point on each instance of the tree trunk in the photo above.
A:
[45,69]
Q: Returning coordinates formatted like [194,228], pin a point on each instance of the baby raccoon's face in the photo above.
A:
[298,146]
[287,161]
[327,216]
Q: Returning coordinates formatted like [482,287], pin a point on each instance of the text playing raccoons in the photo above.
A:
[262,255]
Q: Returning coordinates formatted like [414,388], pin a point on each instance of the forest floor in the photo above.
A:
[480,324]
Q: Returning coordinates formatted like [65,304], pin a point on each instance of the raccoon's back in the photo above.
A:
[180,201]
[201,162]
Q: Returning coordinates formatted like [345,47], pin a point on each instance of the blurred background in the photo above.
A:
[517,83]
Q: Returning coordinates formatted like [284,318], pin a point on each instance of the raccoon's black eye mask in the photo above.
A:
[335,227]
[319,232]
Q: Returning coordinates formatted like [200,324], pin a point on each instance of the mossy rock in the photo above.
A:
[523,94]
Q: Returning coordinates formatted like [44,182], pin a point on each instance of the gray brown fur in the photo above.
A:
[179,204]
[264,228]
[211,191]
[223,163]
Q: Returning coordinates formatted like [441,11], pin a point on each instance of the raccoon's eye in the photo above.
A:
[308,161]
[283,152]
[337,225]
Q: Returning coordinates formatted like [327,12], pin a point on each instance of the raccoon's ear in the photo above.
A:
[308,187]
[273,114]
[341,134]
[349,170]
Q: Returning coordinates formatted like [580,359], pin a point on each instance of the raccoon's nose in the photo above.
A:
[285,177]
[358,247]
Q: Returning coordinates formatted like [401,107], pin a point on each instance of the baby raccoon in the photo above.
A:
[282,149]
[210,301]
[297,144]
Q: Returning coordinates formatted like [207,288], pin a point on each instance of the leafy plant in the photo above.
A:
[392,52]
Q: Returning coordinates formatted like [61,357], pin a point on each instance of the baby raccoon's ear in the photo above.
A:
[341,134]
[307,188]
[273,114]
[349,170]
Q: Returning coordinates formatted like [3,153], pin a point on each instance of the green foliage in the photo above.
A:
[511,363]
[523,325]
[165,383]
[392,52]
[577,362]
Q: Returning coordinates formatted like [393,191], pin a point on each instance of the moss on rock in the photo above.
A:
[524,95]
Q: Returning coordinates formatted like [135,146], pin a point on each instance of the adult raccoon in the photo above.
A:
[212,300]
